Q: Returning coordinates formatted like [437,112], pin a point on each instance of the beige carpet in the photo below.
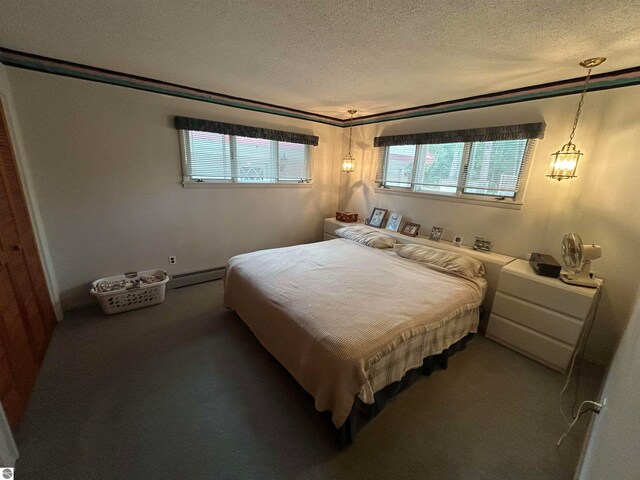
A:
[183,390]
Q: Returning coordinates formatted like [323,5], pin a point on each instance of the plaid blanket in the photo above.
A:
[345,319]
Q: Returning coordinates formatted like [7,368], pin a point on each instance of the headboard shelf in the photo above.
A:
[492,261]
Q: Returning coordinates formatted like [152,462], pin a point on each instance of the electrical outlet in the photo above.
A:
[172,260]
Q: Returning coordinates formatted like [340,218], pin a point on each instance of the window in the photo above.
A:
[474,166]
[223,157]
[494,167]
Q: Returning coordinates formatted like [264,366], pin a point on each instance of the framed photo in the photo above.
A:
[482,245]
[457,241]
[410,229]
[436,233]
[377,217]
[393,223]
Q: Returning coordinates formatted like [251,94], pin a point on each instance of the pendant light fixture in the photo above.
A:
[348,162]
[564,163]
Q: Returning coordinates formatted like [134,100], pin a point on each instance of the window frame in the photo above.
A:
[412,189]
[195,182]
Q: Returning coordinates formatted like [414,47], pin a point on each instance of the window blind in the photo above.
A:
[439,167]
[491,168]
[206,155]
[398,165]
[220,156]
[424,167]
[293,161]
[254,160]
[494,168]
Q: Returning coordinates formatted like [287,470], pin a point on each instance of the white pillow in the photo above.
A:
[367,236]
[451,262]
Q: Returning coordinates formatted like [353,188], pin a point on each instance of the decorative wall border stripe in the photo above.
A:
[60,67]
[616,79]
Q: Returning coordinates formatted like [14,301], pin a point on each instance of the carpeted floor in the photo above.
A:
[183,390]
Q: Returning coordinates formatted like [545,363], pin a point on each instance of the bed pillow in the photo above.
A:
[455,263]
[366,235]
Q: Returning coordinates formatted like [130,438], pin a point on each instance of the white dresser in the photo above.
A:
[538,316]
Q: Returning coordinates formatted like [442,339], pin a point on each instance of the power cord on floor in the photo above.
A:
[578,352]
[579,370]
[594,407]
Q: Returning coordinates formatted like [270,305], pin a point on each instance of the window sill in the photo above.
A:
[508,204]
[245,185]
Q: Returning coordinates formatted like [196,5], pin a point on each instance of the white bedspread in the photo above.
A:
[328,311]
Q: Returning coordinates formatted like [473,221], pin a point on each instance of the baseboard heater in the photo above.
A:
[191,278]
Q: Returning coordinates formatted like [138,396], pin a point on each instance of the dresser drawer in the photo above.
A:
[551,352]
[555,297]
[557,325]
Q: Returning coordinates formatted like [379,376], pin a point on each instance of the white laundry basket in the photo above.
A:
[136,294]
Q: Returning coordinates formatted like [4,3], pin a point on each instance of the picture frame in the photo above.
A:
[393,223]
[410,229]
[436,234]
[482,245]
[457,241]
[377,217]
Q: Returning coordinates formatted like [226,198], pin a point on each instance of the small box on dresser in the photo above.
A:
[347,217]
[540,317]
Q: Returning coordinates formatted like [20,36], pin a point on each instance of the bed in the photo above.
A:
[347,320]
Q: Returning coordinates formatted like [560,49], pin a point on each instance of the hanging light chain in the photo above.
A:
[584,93]
[348,162]
[350,129]
[565,161]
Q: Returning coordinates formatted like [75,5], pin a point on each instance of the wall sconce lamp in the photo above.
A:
[348,162]
[564,163]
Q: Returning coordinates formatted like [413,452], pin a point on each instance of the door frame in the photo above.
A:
[24,173]
[8,449]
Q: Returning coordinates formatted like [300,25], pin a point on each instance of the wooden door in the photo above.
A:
[26,314]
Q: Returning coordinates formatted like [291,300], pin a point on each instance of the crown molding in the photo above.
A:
[603,81]
[55,66]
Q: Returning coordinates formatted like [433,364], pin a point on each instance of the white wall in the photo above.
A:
[614,440]
[601,204]
[105,169]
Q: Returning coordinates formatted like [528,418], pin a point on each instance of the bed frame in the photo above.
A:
[363,413]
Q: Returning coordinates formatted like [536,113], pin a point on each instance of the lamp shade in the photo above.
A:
[564,163]
[348,163]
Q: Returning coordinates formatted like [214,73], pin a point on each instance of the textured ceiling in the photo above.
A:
[325,56]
